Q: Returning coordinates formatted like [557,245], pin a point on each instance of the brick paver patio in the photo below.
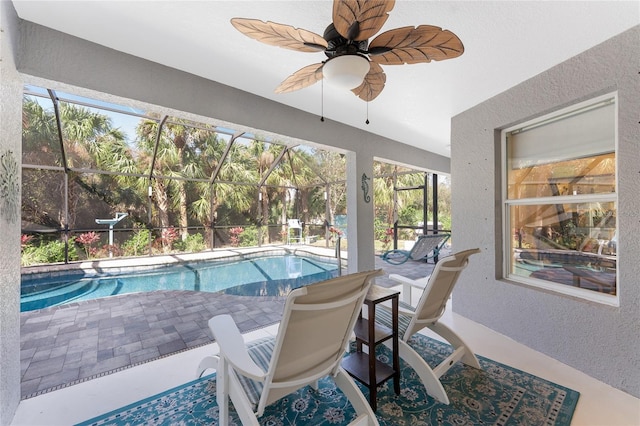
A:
[69,344]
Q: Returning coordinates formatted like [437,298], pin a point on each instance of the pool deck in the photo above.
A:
[62,346]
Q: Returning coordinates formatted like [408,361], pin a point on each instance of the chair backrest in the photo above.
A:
[426,244]
[433,301]
[294,223]
[316,326]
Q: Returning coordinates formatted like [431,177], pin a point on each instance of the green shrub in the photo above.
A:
[193,244]
[48,252]
[409,215]
[138,244]
[406,234]
[446,222]
[249,237]
[380,229]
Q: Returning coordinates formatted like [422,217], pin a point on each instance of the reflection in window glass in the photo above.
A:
[572,244]
[561,202]
[591,175]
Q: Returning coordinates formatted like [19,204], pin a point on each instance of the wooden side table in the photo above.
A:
[365,367]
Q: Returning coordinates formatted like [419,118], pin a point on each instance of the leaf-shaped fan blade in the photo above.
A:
[410,45]
[360,20]
[280,35]
[302,78]
[372,85]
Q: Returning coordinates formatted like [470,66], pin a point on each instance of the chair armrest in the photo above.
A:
[407,283]
[420,283]
[232,346]
[401,310]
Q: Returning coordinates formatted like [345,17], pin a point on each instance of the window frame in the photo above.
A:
[506,204]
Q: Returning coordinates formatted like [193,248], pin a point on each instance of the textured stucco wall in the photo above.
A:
[10,154]
[602,341]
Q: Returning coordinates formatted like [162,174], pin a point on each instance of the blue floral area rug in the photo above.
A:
[496,395]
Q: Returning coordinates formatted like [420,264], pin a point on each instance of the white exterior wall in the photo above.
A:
[360,200]
[10,175]
[602,341]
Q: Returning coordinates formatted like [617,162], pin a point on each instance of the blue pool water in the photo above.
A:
[265,276]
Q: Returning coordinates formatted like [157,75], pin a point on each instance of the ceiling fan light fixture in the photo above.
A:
[355,63]
[346,71]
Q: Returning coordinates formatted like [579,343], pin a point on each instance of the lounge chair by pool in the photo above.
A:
[426,247]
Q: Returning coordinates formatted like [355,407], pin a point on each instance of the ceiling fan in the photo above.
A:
[353,62]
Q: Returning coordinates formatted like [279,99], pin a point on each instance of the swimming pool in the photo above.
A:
[262,276]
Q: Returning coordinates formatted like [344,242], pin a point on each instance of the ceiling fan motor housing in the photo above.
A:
[338,45]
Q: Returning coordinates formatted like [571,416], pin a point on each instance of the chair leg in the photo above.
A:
[468,358]
[222,391]
[241,403]
[356,398]
[427,376]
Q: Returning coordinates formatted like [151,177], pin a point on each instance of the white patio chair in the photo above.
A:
[426,313]
[294,225]
[316,326]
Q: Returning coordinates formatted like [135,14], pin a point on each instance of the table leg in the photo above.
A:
[396,355]
[358,342]
[373,388]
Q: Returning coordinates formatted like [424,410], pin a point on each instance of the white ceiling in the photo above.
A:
[506,42]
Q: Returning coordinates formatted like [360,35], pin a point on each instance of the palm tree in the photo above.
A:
[211,193]
[263,155]
[334,169]
[296,171]
[40,142]
[85,135]
[175,161]
[281,183]
[383,186]
[40,146]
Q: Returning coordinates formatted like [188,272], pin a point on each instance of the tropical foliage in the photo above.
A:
[185,186]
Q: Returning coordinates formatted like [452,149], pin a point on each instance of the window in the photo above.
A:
[560,201]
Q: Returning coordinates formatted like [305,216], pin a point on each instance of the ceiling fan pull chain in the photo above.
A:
[322,100]
[367,122]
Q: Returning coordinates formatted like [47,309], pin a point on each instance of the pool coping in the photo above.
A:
[106,267]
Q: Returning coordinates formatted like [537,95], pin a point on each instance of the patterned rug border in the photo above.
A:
[561,413]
